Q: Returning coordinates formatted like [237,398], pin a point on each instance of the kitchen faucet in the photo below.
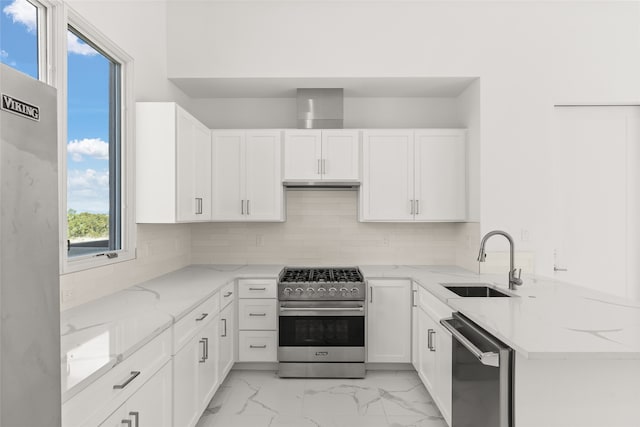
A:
[513,280]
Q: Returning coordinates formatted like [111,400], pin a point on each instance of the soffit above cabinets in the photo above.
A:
[354,87]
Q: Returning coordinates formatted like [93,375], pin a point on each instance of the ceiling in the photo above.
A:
[354,87]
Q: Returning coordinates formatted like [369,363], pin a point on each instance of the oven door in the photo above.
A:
[321,331]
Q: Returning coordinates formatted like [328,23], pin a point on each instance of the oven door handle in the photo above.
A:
[321,308]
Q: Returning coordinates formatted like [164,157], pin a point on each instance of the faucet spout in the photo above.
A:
[482,255]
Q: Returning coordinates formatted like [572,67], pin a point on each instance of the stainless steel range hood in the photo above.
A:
[320,108]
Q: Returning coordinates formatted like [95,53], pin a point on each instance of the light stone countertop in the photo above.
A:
[547,319]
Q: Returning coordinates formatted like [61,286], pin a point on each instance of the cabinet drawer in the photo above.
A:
[186,327]
[257,288]
[432,305]
[93,404]
[257,314]
[227,294]
[257,346]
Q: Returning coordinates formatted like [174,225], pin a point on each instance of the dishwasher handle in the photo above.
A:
[488,358]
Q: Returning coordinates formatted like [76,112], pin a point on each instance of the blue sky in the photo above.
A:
[88,103]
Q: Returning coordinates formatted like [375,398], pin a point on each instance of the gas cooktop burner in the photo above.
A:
[321,283]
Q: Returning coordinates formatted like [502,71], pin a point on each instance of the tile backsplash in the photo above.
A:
[322,229]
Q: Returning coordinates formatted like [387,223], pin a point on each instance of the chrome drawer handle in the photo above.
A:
[257,289]
[257,314]
[133,376]
[257,346]
[201,318]
[203,341]
[228,294]
[126,423]
[225,327]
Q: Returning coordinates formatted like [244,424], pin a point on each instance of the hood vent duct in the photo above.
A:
[320,108]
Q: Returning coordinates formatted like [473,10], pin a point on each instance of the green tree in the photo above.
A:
[87,225]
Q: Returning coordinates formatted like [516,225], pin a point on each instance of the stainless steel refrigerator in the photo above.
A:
[29,253]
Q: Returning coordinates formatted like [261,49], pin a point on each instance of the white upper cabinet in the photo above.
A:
[386,193]
[414,175]
[326,154]
[173,165]
[440,175]
[247,175]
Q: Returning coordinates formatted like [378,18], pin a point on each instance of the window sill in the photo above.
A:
[88,262]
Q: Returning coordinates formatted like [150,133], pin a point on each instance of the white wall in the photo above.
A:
[139,28]
[529,55]
[322,229]
[364,112]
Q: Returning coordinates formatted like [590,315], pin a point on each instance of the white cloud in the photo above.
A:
[92,147]
[88,190]
[77,46]
[4,53]
[23,12]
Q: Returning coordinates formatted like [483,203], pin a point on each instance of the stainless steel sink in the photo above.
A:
[475,290]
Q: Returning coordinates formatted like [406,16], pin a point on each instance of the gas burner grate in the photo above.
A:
[321,275]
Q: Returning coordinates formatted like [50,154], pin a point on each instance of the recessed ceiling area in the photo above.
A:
[360,87]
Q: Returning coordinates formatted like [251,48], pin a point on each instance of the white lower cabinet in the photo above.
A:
[258,346]
[435,351]
[226,352]
[195,374]
[389,321]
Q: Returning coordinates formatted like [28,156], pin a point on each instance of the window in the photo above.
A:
[98,226]
[21,35]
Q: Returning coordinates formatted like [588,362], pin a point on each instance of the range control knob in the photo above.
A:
[321,290]
[299,291]
[332,291]
[310,290]
[287,291]
[344,291]
[355,291]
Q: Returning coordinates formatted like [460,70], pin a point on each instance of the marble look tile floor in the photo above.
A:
[382,399]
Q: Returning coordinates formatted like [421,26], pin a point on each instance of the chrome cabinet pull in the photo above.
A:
[370,294]
[136,416]
[206,348]
[228,294]
[242,207]
[257,289]
[413,298]
[257,314]
[248,211]
[198,205]
[559,269]
[126,382]
[429,339]
[224,334]
[432,346]
[203,358]
[417,207]
[257,346]
[202,317]
[126,423]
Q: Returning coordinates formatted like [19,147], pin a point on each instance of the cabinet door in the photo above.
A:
[152,404]
[227,175]
[202,142]
[263,174]
[387,176]
[340,154]
[389,321]
[302,154]
[186,374]
[208,369]
[186,152]
[426,352]
[414,327]
[441,178]
[443,371]
[226,354]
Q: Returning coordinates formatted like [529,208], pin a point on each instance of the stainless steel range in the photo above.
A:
[321,322]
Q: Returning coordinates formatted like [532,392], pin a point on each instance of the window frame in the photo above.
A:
[126,102]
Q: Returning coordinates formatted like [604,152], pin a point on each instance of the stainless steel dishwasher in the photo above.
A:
[482,376]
